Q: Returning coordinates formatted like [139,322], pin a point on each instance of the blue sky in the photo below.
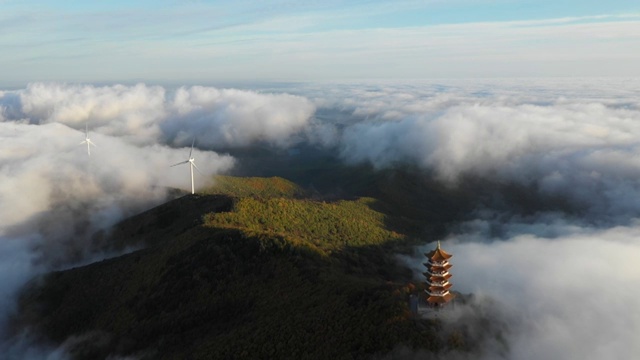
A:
[167,41]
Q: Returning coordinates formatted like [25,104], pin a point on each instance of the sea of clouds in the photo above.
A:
[568,279]
[566,282]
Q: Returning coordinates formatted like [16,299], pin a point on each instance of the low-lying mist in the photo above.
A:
[568,297]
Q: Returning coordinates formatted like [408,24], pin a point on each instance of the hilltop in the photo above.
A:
[251,268]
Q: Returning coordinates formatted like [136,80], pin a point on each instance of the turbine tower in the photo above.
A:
[192,165]
[87,140]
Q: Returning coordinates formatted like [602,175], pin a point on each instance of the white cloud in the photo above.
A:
[52,183]
[235,118]
[582,146]
[145,115]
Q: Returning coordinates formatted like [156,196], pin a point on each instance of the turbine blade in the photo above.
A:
[192,143]
[91,142]
[83,142]
[180,163]
[194,165]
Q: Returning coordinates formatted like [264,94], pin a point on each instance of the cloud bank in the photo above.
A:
[235,118]
[570,297]
[574,140]
[145,115]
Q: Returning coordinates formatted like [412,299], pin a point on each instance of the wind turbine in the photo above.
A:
[192,165]
[87,140]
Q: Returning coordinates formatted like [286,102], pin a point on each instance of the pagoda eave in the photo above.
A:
[441,299]
[432,277]
[440,287]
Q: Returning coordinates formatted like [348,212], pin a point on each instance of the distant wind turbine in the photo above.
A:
[192,165]
[87,140]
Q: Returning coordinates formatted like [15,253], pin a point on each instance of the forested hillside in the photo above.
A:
[257,271]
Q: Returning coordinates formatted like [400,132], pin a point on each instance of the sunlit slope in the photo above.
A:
[420,204]
[329,226]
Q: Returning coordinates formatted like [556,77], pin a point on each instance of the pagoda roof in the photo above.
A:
[436,287]
[434,266]
[438,254]
[441,299]
[436,277]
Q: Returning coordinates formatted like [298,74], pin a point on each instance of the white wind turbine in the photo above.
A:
[87,140]
[192,165]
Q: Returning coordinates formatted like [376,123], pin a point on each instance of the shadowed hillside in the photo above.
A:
[255,187]
[162,222]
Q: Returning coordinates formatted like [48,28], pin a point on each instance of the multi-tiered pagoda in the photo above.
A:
[437,277]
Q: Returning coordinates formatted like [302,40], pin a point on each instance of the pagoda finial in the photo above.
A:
[438,245]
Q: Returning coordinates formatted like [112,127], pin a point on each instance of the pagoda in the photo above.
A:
[437,277]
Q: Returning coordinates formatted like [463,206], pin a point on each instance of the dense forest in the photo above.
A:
[250,268]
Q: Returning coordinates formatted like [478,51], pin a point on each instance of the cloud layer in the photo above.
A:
[567,274]
[146,115]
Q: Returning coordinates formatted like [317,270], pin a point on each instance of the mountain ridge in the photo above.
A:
[258,288]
